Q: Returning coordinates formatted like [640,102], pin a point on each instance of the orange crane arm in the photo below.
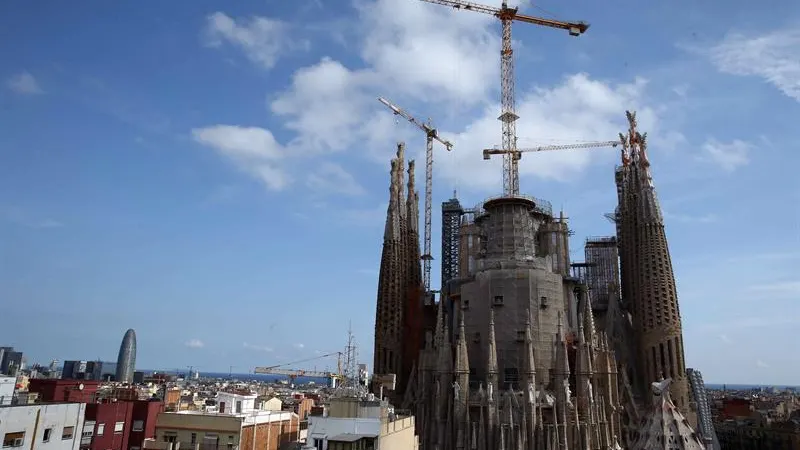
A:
[505,13]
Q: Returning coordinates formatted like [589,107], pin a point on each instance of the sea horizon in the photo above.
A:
[305,380]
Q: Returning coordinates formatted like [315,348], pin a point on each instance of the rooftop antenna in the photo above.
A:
[350,386]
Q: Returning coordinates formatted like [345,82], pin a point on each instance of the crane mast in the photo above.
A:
[508,114]
[431,134]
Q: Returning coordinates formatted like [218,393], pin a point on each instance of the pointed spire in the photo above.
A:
[562,359]
[491,368]
[589,329]
[462,359]
[529,370]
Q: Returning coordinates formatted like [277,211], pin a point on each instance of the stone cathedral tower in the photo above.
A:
[515,360]
[648,282]
[398,316]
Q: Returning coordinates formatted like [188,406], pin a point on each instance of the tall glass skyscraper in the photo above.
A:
[126,361]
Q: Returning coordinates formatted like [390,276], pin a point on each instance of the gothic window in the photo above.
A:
[511,378]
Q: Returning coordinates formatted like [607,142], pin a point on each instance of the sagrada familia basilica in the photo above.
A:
[515,355]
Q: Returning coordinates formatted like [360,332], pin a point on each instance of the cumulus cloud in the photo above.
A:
[261,39]
[24,83]
[253,150]
[194,343]
[774,56]
[728,156]
[418,53]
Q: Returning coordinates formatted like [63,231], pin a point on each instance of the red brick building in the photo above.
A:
[121,425]
[736,408]
[51,390]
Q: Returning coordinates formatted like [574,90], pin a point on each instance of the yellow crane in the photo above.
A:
[432,135]
[508,115]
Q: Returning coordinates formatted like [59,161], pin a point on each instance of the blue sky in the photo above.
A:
[214,174]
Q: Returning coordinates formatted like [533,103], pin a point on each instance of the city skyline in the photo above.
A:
[213,165]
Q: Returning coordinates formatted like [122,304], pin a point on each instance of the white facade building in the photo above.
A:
[54,426]
[7,385]
[236,403]
[351,424]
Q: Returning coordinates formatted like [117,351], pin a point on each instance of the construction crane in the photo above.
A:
[294,373]
[431,134]
[488,152]
[332,377]
[508,115]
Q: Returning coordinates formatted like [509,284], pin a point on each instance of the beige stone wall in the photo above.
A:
[398,435]
[270,436]
[535,290]
[183,425]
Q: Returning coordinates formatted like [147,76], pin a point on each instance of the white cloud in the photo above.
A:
[331,178]
[578,109]
[727,156]
[417,52]
[194,343]
[258,348]
[24,83]
[253,150]
[774,56]
[431,52]
[299,346]
[761,364]
[260,38]
[724,338]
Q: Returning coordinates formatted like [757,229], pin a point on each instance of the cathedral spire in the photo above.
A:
[491,366]
[461,386]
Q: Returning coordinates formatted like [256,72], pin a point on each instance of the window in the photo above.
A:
[194,438]
[138,425]
[14,439]
[520,335]
[319,443]
[543,302]
[118,427]
[238,407]
[100,428]
[67,433]
[465,304]
[47,433]
[498,300]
